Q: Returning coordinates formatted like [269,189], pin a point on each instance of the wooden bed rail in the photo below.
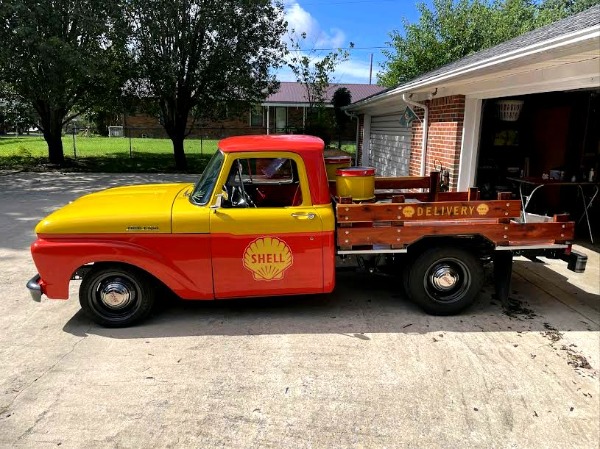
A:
[428,211]
[399,223]
[394,185]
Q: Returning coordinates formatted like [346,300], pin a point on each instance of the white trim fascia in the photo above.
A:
[469,150]
[550,44]
[395,107]
[571,75]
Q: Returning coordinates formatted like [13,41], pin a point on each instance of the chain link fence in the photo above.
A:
[137,141]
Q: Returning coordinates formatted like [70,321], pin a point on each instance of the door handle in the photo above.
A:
[307,215]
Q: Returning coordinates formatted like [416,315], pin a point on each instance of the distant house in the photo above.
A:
[283,112]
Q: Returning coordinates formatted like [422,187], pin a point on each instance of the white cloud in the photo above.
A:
[353,71]
[301,21]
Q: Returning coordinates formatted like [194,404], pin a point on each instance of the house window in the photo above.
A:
[280,120]
[256,116]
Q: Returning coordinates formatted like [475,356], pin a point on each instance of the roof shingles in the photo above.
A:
[295,93]
[584,20]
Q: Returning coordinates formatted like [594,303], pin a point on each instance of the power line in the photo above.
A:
[347,2]
[339,48]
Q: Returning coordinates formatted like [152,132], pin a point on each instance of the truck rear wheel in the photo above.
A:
[116,296]
[444,281]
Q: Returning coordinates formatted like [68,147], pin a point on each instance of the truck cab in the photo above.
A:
[269,217]
[258,222]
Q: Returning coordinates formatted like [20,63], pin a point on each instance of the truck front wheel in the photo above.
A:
[116,296]
[444,281]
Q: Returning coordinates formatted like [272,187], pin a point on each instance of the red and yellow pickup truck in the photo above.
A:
[264,220]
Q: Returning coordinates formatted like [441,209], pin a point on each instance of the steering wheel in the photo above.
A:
[238,197]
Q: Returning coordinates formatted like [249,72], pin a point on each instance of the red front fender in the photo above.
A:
[182,262]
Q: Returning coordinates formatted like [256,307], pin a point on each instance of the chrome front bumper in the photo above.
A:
[34,288]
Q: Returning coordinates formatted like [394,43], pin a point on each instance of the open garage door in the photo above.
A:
[389,147]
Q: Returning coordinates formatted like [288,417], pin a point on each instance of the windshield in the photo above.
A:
[207,180]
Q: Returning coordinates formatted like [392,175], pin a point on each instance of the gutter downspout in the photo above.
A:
[425,124]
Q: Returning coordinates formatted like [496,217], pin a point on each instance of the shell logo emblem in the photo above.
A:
[268,258]
[408,211]
[483,209]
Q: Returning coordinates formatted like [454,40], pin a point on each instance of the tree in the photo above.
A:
[196,54]
[61,56]
[453,29]
[341,97]
[14,112]
[558,9]
[315,74]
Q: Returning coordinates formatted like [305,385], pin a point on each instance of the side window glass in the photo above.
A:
[263,182]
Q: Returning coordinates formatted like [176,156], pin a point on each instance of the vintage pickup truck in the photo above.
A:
[264,220]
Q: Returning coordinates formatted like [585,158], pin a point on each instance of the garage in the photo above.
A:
[547,140]
[390,144]
[515,117]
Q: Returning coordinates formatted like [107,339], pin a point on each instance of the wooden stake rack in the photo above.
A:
[409,216]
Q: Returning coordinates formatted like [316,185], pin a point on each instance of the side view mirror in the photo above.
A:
[218,203]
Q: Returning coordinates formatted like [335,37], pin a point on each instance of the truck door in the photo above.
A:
[266,237]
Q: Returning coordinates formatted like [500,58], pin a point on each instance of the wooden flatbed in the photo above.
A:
[401,215]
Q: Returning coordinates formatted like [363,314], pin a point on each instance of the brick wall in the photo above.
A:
[446,120]
[143,125]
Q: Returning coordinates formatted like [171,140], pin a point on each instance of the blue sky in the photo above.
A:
[336,23]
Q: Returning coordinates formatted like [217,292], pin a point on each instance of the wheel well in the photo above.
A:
[478,244]
[80,272]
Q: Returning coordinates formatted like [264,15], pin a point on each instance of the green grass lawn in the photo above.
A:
[107,154]
[99,146]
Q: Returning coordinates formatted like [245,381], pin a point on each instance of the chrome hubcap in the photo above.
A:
[116,294]
[444,278]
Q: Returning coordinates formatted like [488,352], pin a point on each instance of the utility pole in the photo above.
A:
[371,69]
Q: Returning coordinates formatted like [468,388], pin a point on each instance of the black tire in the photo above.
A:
[444,281]
[116,295]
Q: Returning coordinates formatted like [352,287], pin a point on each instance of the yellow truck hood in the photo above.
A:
[134,209]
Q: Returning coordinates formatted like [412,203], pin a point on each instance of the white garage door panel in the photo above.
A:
[389,145]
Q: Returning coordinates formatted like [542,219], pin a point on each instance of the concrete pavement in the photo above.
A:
[361,368]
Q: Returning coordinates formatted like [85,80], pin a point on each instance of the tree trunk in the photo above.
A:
[51,120]
[53,137]
[175,124]
[180,159]
[55,148]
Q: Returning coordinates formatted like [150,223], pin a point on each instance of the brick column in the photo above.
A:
[446,119]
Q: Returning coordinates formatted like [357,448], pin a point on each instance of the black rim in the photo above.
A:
[115,297]
[447,280]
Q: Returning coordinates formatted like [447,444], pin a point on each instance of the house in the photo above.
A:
[281,112]
[528,106]
[502,119]
[286,109]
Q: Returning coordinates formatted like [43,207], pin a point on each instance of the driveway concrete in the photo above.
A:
[360,368]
